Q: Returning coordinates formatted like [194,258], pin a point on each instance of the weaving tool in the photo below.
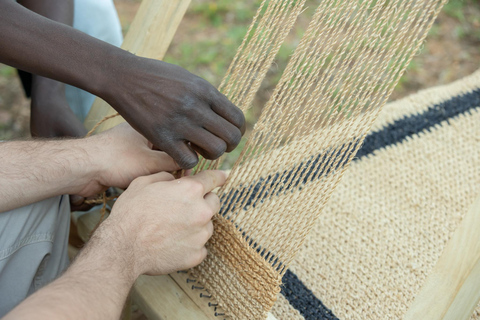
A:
[339,77]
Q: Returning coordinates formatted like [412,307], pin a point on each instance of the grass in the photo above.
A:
[221,26]
[7,71]
[468,21]
[227,22]
[215,12]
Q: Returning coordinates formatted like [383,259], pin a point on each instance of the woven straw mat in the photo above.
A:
[387,222]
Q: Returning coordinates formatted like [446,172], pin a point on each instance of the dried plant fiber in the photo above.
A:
[389,219]
[337,80]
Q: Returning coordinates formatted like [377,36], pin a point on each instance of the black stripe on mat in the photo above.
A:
[303,299]
[408,126]
[391,134]
[293,289]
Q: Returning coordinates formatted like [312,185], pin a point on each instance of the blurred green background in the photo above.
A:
[212,30]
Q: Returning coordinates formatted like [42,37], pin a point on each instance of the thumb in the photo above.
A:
[160,161]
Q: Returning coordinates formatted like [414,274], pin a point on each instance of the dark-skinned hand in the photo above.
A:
[179,112]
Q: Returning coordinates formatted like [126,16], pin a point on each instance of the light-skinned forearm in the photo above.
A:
[51,49]
[35,170]
[94,287]
[31,171]
[170,236]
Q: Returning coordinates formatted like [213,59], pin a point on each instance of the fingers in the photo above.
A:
[226,109]
[209,180]
[208,145]
[213,201]
[230,134]
[77,203]
[210,229]
[182,153]
[203,252]
[76,200]
[197,259]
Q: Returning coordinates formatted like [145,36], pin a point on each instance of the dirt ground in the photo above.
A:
[452,51]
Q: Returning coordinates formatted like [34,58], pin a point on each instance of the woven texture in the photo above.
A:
[339,77]
[388,221]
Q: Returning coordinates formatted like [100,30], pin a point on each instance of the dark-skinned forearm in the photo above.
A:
[175,110]
[33,43]
[60,11]
[56,10]
[50,113]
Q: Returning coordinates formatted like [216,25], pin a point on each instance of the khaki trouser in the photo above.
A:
[33,248]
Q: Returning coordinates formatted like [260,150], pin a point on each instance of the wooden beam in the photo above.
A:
[150,35]
[181,279]
[200,300]
[452,290]
[160,298]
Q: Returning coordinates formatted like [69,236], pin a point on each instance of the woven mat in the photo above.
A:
[387,222]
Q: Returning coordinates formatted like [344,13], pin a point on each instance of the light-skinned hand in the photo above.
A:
[120,155]
[161,224]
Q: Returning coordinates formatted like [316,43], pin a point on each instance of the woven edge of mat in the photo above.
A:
[423,99]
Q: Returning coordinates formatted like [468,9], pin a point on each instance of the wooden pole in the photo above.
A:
[149,36]
[452,290]
[160,298]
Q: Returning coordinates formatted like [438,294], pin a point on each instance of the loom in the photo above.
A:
[338,79]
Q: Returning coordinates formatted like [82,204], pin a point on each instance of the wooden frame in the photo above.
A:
[452,290]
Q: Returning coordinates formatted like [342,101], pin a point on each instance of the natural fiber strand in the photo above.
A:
[270,27]
[387,222]
[95,127]
[340,76]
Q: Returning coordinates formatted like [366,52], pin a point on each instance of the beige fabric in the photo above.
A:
[341,74]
